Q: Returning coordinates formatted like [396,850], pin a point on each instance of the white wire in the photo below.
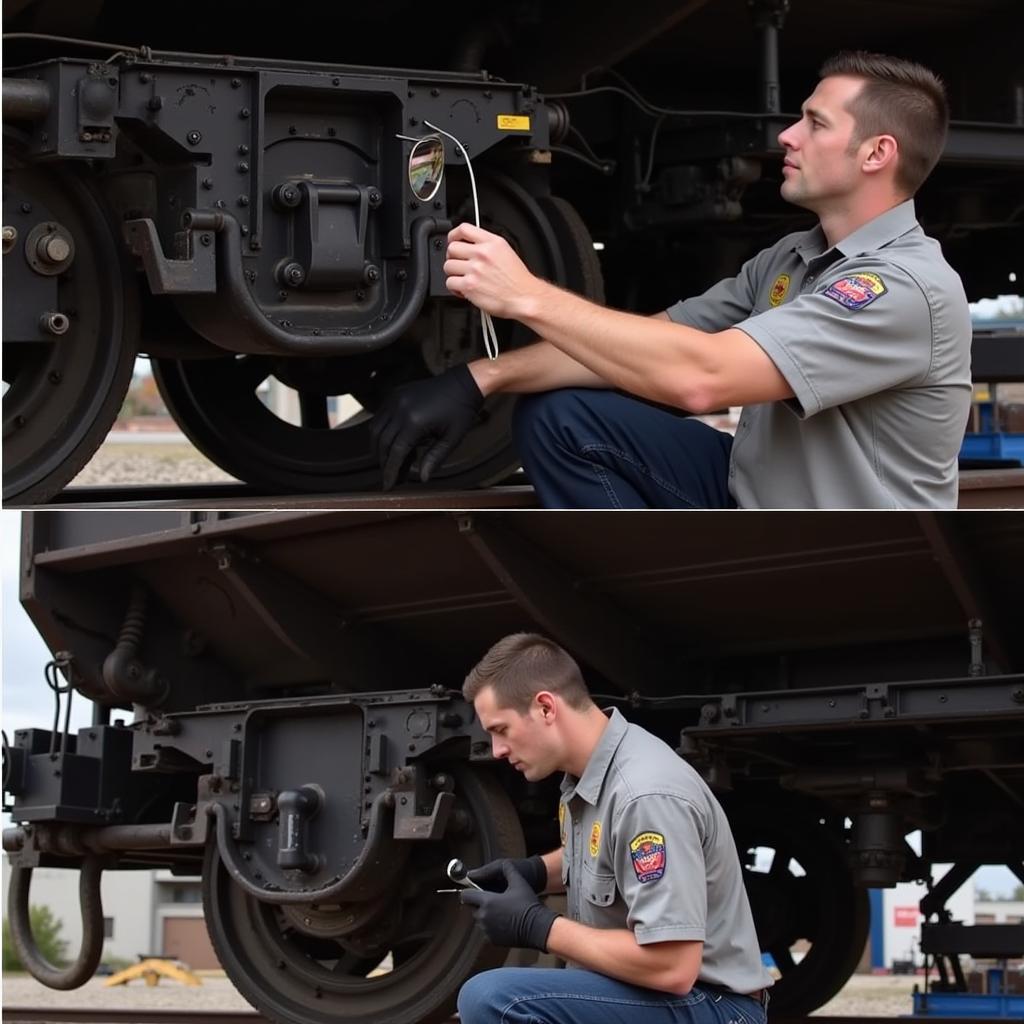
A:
[486,323]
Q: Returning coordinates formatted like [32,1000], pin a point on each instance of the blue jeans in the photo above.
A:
[589,448]
[535,995]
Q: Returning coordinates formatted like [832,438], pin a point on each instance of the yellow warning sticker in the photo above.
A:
[513,123]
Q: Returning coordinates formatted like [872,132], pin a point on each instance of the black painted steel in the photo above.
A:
[307,968]
[65,391]
[217,403]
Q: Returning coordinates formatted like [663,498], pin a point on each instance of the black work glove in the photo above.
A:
[515,917]
[438,411]
[491,875]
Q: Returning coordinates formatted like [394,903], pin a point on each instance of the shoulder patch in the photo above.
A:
[561,823]
[648,853]
[856,291]
[779,290]
[595,839]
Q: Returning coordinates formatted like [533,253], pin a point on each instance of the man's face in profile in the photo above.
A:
[821,166]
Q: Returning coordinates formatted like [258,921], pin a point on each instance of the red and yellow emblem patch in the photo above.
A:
[561,823]
[779,290]
[648,853]
[595,838]
[856,291]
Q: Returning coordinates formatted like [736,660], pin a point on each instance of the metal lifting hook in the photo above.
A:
[89,955]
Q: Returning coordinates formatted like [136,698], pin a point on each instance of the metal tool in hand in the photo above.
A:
[457,872]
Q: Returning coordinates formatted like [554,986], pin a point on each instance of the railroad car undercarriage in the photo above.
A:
[247,220]
[298,738]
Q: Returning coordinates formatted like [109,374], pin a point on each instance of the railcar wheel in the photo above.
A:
[297,968]
[810,916]
[70,326]
[322,443]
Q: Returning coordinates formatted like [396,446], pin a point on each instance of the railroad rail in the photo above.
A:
[54,1015]
[1000,487]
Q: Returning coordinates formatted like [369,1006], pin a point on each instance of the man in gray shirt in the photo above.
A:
[658,926]
[848,346]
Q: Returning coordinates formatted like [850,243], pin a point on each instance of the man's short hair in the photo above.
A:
[518,667]
[901,99]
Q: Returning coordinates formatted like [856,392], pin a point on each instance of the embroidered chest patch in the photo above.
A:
[595,838]
[856,291]
[648,853]
[779,290]
[561,823]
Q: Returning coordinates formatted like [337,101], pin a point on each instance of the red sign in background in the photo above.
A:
[905,917]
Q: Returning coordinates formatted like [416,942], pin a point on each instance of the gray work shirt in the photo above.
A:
[646,846]
[874,337]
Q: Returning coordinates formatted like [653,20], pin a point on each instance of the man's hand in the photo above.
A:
[491,876]
[483,268]
[515,917]
[439,410]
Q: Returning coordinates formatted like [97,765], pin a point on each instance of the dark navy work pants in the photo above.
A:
[535,995]
[590,448]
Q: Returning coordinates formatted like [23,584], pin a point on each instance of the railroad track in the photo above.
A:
[1000,487]
[36,1015]
[514,494]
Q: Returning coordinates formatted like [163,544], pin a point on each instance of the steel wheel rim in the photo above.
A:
[279,976]
[64,395]
[822,905]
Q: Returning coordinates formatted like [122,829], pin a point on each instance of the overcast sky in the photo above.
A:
[27,701]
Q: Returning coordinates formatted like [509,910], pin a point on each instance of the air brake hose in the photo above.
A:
[91,902]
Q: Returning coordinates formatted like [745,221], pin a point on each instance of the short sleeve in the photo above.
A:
[659,869]
[865,329]
[725,304]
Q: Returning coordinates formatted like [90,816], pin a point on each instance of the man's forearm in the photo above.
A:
[537,367]
[667,967]
[646,356]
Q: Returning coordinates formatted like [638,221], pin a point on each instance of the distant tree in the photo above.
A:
[1018,893]
[46,931]
[983,895]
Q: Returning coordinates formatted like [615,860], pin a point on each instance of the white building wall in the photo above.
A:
[903,920]
[128,898]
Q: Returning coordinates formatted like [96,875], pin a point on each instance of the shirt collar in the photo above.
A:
[880,231]
[589,784]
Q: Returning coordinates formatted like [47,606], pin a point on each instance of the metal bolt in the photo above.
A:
[26,207]
[294,274]
[1018,695]
[55,376]
[54,323]
[438,244]
[194,138]
[292,130]
[372,273]
[236,83]
[374,197]
[335,81]
[243,149]
[53,248]
[435,92]
[145,77]
[243,200]
[243,167]
[10,236]
[243,113]
[402,275]
[155,103]
[206,239]
[207,182]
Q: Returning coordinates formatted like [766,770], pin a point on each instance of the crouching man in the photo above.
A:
[658,926]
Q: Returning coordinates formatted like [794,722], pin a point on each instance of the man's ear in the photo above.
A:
[545,700]
[883,152]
